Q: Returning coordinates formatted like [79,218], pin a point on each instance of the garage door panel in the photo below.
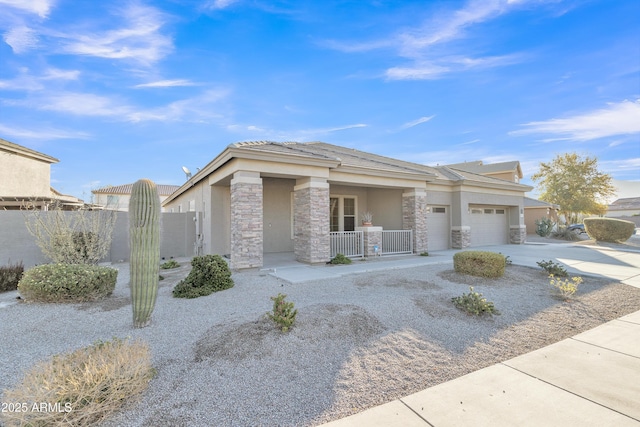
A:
[489,225]
[438,228]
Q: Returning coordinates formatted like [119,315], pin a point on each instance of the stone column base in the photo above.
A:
[517,234]
[372,237]
[460,237]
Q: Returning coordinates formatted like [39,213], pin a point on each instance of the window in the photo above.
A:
[192,205]
[488,211]
[439,210]
[500,211]
[476,211]
[112,201]
[342,213]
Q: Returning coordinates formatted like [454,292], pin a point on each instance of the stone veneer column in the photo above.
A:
[372,237]
[460,237]
[246,220]
[311,220]
[517,234]
[414,217]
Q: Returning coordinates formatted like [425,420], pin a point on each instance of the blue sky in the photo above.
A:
[122,90]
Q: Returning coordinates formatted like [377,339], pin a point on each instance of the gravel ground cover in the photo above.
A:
[359,341]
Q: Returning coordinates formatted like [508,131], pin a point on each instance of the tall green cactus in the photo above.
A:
[144,238]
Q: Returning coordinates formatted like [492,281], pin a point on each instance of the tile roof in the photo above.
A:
[626,203]
[479,167]
[346,156]
[534,203]
[163,190]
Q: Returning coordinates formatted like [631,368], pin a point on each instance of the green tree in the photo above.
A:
[575,184]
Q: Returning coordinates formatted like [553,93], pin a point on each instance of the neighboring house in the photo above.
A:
[116,197]
[509,171]
[536,210]
[25,178]
[306,198]
[624,207]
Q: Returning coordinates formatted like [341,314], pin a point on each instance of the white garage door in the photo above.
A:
[489,225]
[438,228]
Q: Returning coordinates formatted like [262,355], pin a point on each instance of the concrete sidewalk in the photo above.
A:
[580,259]
[591,379]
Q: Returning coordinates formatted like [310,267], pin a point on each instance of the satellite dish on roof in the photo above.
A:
[186,171]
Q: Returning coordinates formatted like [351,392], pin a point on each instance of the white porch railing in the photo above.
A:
[347,243]
[397,242]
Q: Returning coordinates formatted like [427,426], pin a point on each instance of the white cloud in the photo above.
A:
[622,118]
[38,7]
[219,4]
[416,122]
[138,39]
[41,134]
[21,39]
[290,135]
[26,81]
[166,83]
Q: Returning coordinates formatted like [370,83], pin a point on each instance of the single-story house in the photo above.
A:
[629,206]
[116,197]
[25,179]
[307,198]
[536,210]
[509,171]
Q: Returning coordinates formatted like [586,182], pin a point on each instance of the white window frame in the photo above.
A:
[341,198]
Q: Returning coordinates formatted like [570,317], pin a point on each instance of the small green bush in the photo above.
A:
[10,276]
[609,229]
[283,313]
[544,226]
[210,273]
[67,283]
[479,263]
[474,303]
[425,253]
[340,259]
[172,263]
[553,268]
[81,388]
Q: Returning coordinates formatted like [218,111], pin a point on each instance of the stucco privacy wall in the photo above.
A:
[17,244]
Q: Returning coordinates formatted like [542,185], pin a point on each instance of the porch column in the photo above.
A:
[246,220]
[414,217]
[517,234]
[311,220]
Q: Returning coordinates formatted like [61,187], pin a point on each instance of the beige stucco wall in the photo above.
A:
[23,176]
[532,214]
[386,207]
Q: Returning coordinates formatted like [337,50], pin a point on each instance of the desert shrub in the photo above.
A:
[10,276]
[425,253]
[71,237]
[553,268]
[609,229]
[67,283]
[474,303]
[172,263]
[210,273]
[340,259]
[81,388]
[544,226]
[479,263]
[564,288]
[283,313]
[565,234]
